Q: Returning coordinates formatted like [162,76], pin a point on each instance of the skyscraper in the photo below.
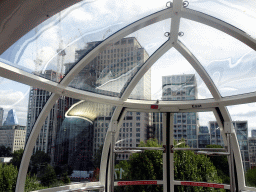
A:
[11,118]
[108,73]
[180,87]
[241,128]
[37,100]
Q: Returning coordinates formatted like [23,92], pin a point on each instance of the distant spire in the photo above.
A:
[11,118]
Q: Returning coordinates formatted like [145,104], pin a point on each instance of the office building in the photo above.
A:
[108,73]
[253,132]
[252,151]
[203,137]
[1,116]
[37,99]
[179,87]
[241,128]
[13,136]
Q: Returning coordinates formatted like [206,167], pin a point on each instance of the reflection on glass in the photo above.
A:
[228,61]
[179,87]
[234,13]
[174,78]
[108,72]
[53,43]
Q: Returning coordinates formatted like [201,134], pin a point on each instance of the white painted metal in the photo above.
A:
[23,77]
[32,141]
[236,149]
[199,69]
[175,25]
[164,155]
[220,25]
[146,21]
[171,154]
[159,53]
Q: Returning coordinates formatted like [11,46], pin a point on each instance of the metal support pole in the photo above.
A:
[164,154]
[171,152]
[169,174]
[112,155]
[112,164]
[228,130]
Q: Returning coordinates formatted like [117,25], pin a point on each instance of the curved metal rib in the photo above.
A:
[220,25]
[151,60]
[199,69]
[146,21]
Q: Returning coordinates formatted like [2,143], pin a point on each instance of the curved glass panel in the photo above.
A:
[70,148]
[14,99]
[172,78]
[136,131]
[240,14]
[243,117]
[54,43]
[111,70]
[229,62]
[202,132]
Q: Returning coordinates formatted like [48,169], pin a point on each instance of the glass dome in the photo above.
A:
[128,96]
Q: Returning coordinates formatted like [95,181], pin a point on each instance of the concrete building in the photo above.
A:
[108,73]
[203,137]
[252,151]
[241,128]
[1,116]
[37,99]
[253,132]
[179,87]
[13,136]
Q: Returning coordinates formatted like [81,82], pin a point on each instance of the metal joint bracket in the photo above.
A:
[164,146]
[172,147]
[114,126]
[228,127]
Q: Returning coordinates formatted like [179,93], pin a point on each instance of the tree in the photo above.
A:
[38,161]
[5,151]
[250,177]
[48,176]
[188,166]
[8,177]
[17,156]
[221,164]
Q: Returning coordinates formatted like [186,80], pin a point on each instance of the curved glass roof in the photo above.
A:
[107,61]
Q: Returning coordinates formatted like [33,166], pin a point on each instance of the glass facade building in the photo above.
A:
[85,74]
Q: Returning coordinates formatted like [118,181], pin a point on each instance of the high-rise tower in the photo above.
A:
[179,87]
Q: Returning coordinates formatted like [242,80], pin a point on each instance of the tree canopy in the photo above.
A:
[5,151]
[148,165]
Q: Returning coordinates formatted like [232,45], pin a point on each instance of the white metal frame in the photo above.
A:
[62,88]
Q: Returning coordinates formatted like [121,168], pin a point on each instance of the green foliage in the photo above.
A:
[148,165]
[17,156]
[38,161]
[48,177]
[221,164]
[65,178]
[8,177]
[5,151]
[250,177]
[32,184]
[143,166]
